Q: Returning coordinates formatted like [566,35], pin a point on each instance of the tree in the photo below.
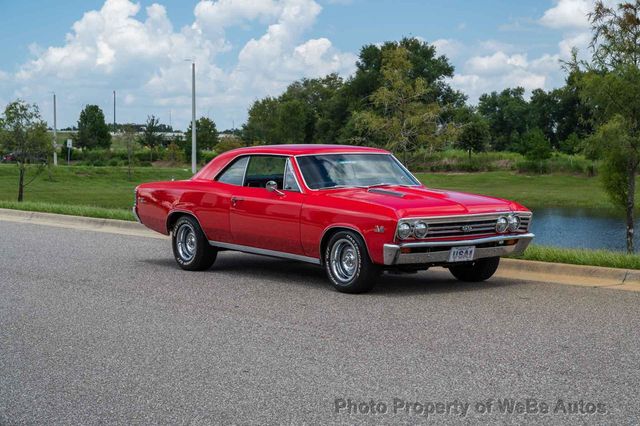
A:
[93,132]
[401,117]
[206,133]
[24,133]
[151,137]
[610,82]
[423,63]
[507,114]
[535,146]
[474,136]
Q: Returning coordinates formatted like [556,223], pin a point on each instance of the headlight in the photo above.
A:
[502,224]
[514,222]
[420,229]
[404,231]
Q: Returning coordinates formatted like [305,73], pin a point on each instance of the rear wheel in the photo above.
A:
[191,249]
[480,270]
[348,265]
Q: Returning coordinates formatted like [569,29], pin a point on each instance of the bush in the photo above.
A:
[206,156]
[535,146]
[227,144]
[173,154]
[533,166]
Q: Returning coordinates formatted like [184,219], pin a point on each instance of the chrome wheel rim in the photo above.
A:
[186,242]
[344,260]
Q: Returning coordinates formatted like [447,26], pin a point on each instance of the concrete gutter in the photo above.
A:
[111,226]
[555,273]
[560,273]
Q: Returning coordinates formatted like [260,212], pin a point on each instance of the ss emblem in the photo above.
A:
[467,228]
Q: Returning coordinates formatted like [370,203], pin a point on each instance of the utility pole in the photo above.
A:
[193,116]
[55,131]
[114,111]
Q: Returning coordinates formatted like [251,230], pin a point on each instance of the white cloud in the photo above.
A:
[568,14]
[497,71]
[497,62]
[449,47]
[141,55]
[579,41]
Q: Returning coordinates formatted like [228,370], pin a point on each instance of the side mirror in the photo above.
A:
[272,186]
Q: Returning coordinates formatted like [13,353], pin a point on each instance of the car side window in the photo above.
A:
[290,183]
[265,168]
[234,174]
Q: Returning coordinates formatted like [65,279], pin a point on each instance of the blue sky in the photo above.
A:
[246,49]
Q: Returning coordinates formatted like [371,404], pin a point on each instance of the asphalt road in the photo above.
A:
[104,328]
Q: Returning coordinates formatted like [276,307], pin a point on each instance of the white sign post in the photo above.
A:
[69,146]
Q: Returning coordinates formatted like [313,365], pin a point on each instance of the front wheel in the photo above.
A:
[479,270]
[348,265]
[191,249]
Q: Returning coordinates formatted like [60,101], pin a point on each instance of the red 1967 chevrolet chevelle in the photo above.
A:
[353,210]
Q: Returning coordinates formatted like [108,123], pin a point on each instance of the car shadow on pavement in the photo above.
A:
[432,282]
[299,274]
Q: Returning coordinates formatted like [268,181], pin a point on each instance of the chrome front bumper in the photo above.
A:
[438,251]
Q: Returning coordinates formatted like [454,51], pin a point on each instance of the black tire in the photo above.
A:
[480,270]
[191,248]
[348,248]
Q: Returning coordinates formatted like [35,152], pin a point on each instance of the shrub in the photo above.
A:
[173,154]
[533,166]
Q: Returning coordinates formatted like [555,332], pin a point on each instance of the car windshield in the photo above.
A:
[353,170]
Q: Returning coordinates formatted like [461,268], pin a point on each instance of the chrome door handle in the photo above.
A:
[234,201]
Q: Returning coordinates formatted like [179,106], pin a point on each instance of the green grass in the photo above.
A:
[607,258]
[102,187]
[534,191]
[69,209]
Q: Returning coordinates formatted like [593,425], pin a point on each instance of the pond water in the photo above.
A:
[580,228]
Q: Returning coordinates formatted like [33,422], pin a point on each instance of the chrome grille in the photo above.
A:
[462,226]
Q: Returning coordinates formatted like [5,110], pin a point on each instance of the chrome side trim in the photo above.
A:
[172,212]
[265,252]
[392,254]
[349,227]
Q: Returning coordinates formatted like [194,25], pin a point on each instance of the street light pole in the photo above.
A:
[193,117]
[55,132]
[114,111]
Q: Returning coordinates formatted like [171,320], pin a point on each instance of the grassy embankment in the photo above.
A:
[107,193]
[85,191]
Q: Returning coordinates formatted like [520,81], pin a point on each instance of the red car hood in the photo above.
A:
[423,202]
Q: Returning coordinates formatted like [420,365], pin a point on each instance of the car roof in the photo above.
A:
[306,149]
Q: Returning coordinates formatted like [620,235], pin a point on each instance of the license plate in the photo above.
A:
[461,254]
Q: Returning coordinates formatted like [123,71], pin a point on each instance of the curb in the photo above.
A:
[578,275]
[113,226]
[528,270]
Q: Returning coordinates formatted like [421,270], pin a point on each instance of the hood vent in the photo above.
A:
[386,192]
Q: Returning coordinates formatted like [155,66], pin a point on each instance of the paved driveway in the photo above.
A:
[98,327]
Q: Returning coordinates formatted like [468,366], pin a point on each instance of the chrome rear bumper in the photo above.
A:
[438,251]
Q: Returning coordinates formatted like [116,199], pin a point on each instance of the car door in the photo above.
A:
[213,207]
[267,219]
